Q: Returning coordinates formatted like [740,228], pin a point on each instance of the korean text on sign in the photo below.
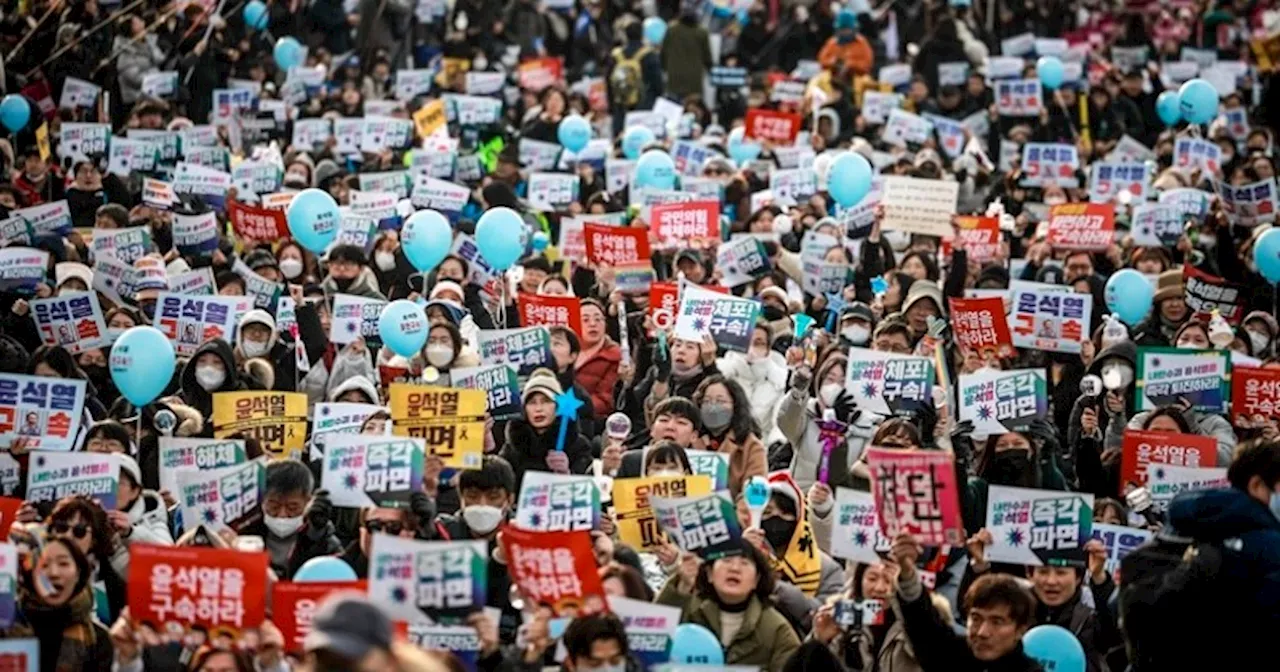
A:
[225,591]
[450,421]
[915,492]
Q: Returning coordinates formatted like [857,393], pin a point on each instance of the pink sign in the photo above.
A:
[915,492]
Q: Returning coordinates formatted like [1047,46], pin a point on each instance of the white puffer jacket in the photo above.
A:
[764,380]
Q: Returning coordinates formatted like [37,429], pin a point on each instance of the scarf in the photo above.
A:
[800,564]
[71,623]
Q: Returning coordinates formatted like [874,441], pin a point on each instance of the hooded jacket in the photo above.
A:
[764,380]
[150,519]
[359,383]
[1126,351]
[765,639]
[807,575]
[797,419]
[195,395]
[365,284]
[599,375]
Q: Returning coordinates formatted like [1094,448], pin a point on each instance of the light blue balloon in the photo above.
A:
[256,15]
[742,150]
[313,219]
[500,237]
[1055,647]
[654,170]
[14,112]
[574,133]
[403,327]
[1049,69]
[693,644]
[655,29]
[426,239]
[324,568]
[635,139]
[540,241]
[288,53]
[141,364]
[1128,295]
[1266,254]
[1168,108]
[1198,101]
[849,179]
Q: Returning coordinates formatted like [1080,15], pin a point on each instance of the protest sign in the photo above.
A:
[856,533]
[1082,226]
[9,569]
[264,293]
[223,591]
[915,492]
[649,628]
[536,74]
[442,580]
[777,127]
[8,513]
[355,317]
[1254,392]
[14,231]
[450,420]
[52,475]
[1002,401]
[681,223]
[190,321]
[887,383]
[1119,540]
[1206,293]
[1108,180]
[1166,375]
[377,205]
[499,381]
[294,604]
[633,511]
[20,654]
[253,223]
[552,191]
[276,419]
[177,454]
[1250,204]
[915,205]
[160,84]
[905,127]
[362,471]
[207,184]
[72,320]
[1156,224]
[981,327]
[1049,320]
[1190,154]
[431,193]
[979,237]
[1165,482]
[793,186]
[557,502]
[607,245]
[11,473]
[523,349]
[80,140]
[741,260]
[821,278]
[1038,527]
[195,235]
[129,155]
[548,311]
[22,268]
[877,106]
[48,219]
[1049,163]
[338,418]
[728,319]
[951,134]
[706,525]
[229,497]
[1141,448]
[555,568]
[127,245]
[712,464]
[1018,97]
[44,412]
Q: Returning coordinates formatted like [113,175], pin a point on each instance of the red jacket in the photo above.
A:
[598,376]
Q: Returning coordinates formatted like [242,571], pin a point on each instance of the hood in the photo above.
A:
[1214,515]
[258,316]
[799,563]
[1125,350]
[356,383]
[191,390]
[833,359]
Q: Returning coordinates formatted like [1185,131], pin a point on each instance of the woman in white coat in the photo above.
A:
[762,373]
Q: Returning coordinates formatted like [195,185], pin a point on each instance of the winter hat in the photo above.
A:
[444,286]
[776,292]
[785,492]
[128,465]
[924,290]
[325,170]
[544,381]
[857,311]
[258,316]
[1169,286]
[1263,316]
[358,383]
[72,269]
[261,258]
[846,20]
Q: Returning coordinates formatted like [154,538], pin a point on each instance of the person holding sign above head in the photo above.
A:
[297,523]
[531,443]
[676,373]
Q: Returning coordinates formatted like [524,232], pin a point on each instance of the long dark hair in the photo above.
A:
[1173,413]
[58,359]
[743,424]
[667,451]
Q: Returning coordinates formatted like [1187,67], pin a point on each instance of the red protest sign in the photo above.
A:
[777,127]
[223,590]
[1206,293]
[1082,226]
[684,222]
[915,491]
[981,327]
[539,309]
[8,512]
[293,604]
[554,568]
[1254,392]
[252,223]
[536,74]
[979,237]
[1141,448]
[664,298]
[615,245]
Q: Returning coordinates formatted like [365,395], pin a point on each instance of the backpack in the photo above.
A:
[626,82]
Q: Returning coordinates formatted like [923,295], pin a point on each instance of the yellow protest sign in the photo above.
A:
[42,141]
[429,118]
[1267,52]
[278,420]
[637,524]
[450,420]
[450,68]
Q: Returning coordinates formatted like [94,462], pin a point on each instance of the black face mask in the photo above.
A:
[772,313]
[778,532]
[1012,467]
[100,376]
[149,309]
[343,283]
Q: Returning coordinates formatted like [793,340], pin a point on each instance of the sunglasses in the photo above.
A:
[383,526]
[78,531]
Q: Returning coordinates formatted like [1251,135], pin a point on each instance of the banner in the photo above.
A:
[338,418]
[52,475]
[1206,293]
[362,471]
[1038,527]
[557,503]
[915,492]
[726,318]
[444,580]
[294,604]
[889,384]
[633,513]
[979,237]
[557,569]
[981,327]
[1119,540]
[856,533]
[451,421]
[220,497]
[712,464]
[1082,226]
[706,525]
[72,320]
[1108,180]
[166,583]
[190,321]
[1166,375]
[1165,482]
[44,412]
[536,74]
[355,317]
[276,419]
[8,513]
[181,454]
[1018,97]
[1141,448]
[780,128]
[501,386]
[1049,163]
[678,223]
[607,245]
[262,224]
[915,205]
[548,311]
[1254,392]
[523,349]
[1049,319]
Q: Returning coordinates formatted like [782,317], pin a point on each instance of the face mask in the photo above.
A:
[385,260]
[479,64]
[1116,376]
[1010,467]
[448,279]
[343,283]
[210,377]
[282,527]
[828,393]
[291,268]
[1259,342]
[716,416]
[439,355]
[1189,345]
[772,313]
[756,355]
[778,532]
[857,334]
[253,349]
[482,518]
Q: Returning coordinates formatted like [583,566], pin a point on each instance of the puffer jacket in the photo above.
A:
[365,284]
[766,640]
[150,520]
[137,58]
[764,380]
[797,419]
[1204,424]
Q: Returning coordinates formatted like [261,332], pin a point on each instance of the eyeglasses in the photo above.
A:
[383,526]
[78,531]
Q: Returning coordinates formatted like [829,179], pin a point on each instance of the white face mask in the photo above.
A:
[482,518]
[828,393]
[253,349]
[666,472]
[282,527]
[210,377]
[856,334]
[1116,376]
[479,63]
[1188,345]
[291,268]
[1259,342]
[439,355]
[385,260]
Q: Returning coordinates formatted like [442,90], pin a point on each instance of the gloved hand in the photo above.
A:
[1044,431]
[927,421]
[662,362]
[845,408]
[424,509]
[318,515]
